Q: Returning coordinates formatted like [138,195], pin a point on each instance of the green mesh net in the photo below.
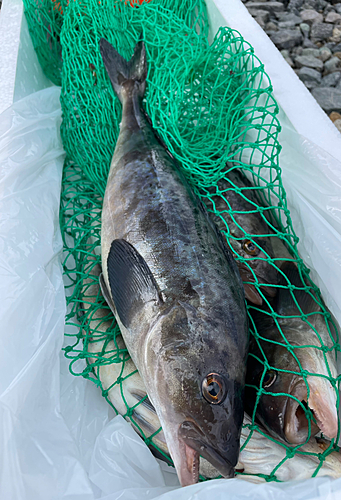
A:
[212,105]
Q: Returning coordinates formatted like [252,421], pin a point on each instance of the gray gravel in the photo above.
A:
[308,34]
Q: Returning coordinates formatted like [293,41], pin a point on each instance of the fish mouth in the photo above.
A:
[196,445]
[251,292]
[296,425]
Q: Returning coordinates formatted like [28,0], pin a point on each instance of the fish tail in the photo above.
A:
[127,77]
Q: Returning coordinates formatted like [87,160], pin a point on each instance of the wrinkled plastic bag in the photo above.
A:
[38,457]
[59,437]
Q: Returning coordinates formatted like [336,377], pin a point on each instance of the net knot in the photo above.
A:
[291,452]
[105,393]
[148,441]
[130,412]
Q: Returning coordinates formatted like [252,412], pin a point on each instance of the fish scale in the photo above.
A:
[174,288]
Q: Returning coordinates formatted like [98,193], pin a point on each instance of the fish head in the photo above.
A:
[317,390]
[297,398]
[253,243]
[196,387]
[272,383]
[243,220]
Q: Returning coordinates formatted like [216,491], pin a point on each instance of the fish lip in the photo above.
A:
[325,414]
[201,447]
[265,285]
[294,419]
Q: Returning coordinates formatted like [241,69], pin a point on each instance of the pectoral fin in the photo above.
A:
[132,284]
[106,294]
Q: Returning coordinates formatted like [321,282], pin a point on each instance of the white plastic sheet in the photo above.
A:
[38,457]
[59,438]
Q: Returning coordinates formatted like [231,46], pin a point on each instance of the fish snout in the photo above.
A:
[320,403]
[221,452]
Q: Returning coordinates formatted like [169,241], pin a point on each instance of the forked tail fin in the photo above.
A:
[125,76]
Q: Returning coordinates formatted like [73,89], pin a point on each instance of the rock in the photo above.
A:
[336,48]
[338,85]
[260,14]
[328,9]
[305,28]
[271,27]
[321,31]
[334,64]
[286,39]
[295,5]
[309,62]
[308,44]
[285,53]
[336,38]
[337,124]
[333,17]
[331,80]
[337,7]
[289,22]
[337,54]
[287,16]
[310,52]
[329,99]
[310,16]
[325,54]
[290,61]
[320,4]
[296,51]
[260,22]
[310,77]
[309,5]
[334,116]
[269,6]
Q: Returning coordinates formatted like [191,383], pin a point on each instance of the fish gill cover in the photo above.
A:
[212,106]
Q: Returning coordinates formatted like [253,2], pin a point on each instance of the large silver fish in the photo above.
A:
[236,200]
[173,287]
[259,456]
[310,351]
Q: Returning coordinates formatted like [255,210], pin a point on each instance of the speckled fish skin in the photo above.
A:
[260,454]
[173,286]
[253,224]
[283,416]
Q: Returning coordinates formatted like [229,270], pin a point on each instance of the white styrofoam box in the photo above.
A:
[58,439]
[20,71]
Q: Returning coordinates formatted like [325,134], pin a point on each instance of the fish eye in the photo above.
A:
[214,388]
[269,378]
[250,248]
